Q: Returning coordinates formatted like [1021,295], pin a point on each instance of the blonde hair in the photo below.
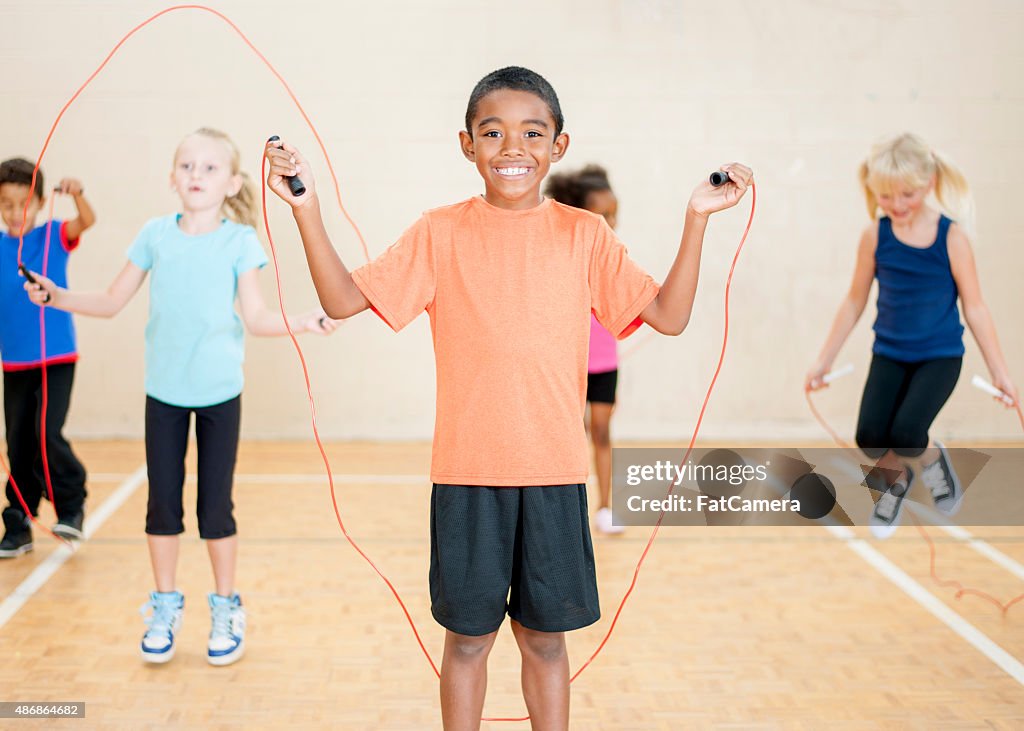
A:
[908,159]
[242,206]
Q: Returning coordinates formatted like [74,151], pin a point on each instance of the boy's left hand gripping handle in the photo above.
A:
[294,184]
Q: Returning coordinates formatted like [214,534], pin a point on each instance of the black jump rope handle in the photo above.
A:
[297,186]
[23,271]
[719,177]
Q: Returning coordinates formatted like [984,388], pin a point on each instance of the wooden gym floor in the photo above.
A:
[753,628]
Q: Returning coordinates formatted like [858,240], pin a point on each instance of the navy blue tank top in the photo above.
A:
[918,318]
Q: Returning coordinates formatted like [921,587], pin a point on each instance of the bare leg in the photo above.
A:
[163,555]
[545,677]
[600,435]
[464,680]
[223,557]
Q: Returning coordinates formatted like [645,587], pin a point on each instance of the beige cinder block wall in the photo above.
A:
[660,92]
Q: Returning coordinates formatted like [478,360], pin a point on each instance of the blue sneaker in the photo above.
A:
[164,622]
[227,634]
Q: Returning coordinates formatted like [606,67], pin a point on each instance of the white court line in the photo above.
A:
[926,599]
[42,573]
[929,601]
[45,570]
[295,478]
[962,534]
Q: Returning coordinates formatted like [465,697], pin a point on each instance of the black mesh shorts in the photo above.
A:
[521,551]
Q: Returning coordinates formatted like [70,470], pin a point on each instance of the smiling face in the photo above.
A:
[202,174]
[513,144]
[902,202]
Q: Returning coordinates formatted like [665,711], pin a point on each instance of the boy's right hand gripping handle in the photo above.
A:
[294,184]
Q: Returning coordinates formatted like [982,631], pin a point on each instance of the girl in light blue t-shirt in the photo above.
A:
[200,263]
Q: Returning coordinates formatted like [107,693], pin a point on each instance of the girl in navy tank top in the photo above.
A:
[923,262]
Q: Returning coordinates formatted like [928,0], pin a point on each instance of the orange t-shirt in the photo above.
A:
[509,295]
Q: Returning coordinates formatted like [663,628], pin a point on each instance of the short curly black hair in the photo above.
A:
[518,79]
[18,170]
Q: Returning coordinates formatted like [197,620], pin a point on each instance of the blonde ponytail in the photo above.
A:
[870,198]
[242,207]
[952,191]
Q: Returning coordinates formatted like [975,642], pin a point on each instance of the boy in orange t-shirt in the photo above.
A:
[509,280]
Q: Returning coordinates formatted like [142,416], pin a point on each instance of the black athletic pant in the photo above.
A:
[23,404]
[900,402]
[166,441]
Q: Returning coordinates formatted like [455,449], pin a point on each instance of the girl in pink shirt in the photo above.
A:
[589,189]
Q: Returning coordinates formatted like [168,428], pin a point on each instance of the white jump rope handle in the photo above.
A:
[838,373]
[980,383]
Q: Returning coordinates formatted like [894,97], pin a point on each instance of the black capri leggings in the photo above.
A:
[900,402]
[166,443]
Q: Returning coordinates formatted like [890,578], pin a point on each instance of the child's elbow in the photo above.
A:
[668,328]
[975,311]
[675,327]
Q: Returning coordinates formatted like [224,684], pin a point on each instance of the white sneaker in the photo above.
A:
[164,622]
[227,634]
[603,521]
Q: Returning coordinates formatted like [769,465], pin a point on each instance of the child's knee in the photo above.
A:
[468,647]
[545,646]
[601,435]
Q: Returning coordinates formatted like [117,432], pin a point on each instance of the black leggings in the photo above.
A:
[166,442]
[900,402]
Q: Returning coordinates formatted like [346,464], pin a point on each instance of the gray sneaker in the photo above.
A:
[885,518]
[942,482]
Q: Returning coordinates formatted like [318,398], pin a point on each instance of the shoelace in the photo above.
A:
[162,617]
[221,620]
[935,478]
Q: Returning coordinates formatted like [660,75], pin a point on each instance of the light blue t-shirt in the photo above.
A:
[194,337]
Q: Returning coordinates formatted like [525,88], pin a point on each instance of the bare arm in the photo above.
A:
[338,293]
[94,304]
[262,321]
[86,217]
[976,312]
[669,312]
[850,309]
